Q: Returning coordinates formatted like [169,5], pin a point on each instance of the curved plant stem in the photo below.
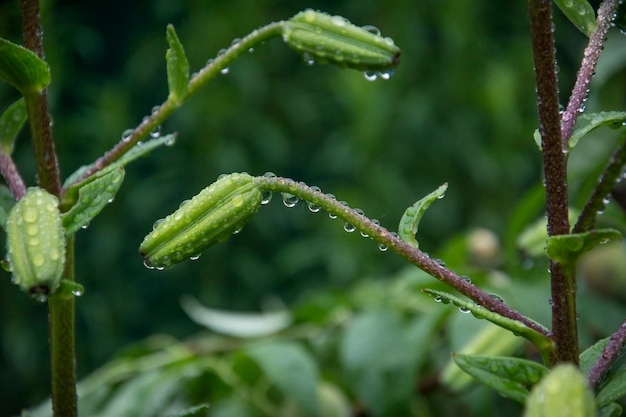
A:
[606,11]
[62,351]
[394,243]
[610,176]
[210,71]
[12,176]
[563,284]
[611,352]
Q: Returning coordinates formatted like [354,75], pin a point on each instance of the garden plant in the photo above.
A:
[322,357]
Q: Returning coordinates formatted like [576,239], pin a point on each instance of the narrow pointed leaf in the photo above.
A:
[613,386]
[291,369]
[133,154]
[90,198]
[580,13]
[510,377]
[543,344]
[412,216]
[22,68]
[177,67]
[11,122]
[567,249]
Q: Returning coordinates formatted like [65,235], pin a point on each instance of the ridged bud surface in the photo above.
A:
[208,218]
[36,242]
[325,38]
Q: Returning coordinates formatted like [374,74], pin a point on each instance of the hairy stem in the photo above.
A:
[611,352]
[37,106]
[393,242]
[210,71]
[563,284]
[62,351]
[11,176]
[596,202]
[606,11]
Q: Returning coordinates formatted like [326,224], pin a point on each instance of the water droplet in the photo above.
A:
[156,132]
[235,42]
[359,212]
[308,59]
[157,223]
[266,196]
[250,50]
[496,297]
[78,291]
[147,264]
[224,71]
[606,200]
[464,310]
[30,214]
[221,52]
[466,279]
[364,234]
[219,177]
[375,221]
[269,174]
[238,229]
[332,216]
[237,201]
[171,140]
[338,20]
[84,226]
[42,298]
[371,29]
[332,196]
[387,74]
[127,134]
[382,247]
[182,203]
[313,208]
[370,75]
[349,227]
[110,200]
[440,262]
[139,143]
[438,298]
[290,200]
[194,257]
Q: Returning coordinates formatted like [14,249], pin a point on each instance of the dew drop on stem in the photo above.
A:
[266,197]
[126,135]
[382,247]
[290,200]
[349,227]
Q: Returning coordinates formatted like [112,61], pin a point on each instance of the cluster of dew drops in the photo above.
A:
[290,201]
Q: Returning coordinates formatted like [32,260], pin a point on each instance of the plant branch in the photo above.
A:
[606,13]
[62,350]
[12,176]
[596,202]
[37,106]
[611,352]
[393,242]
[563,284]
[210,71]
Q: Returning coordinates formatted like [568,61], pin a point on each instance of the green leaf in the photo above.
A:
[510,377]
[566,249]
[381,354]
[613,386]
[7,201]
[134,153]
[590,121]
[236,324]
[412,216]
[611,410]
[89,198]
[22,68]
[543,344]
[177,67]
[11,122]
[292,369]
[580,13]
[199,410]
[591,354]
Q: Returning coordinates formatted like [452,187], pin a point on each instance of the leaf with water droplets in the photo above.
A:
[22,68]
[333,39]
[133,154]
[588,122]
[89,197]
[412,216]
[11,122]
[567,249]
[613,385]
[543,344]
[510,377]
[580,13]
[177,67]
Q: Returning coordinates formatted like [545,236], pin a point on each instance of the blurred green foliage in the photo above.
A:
[461,109]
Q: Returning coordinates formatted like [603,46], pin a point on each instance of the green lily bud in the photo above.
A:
[325,38]
[562,393]
[36,243]
[208,218]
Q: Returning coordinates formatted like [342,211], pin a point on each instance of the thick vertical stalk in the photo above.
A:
[62,355]
[563,283]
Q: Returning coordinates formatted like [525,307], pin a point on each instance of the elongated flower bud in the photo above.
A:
[208,218]
[36,242]
[333,39]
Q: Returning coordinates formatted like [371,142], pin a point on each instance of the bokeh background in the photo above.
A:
[460,109]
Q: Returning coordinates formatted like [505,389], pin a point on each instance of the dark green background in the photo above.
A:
[461,109]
